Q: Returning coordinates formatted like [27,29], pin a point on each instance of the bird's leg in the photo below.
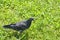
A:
[21,31]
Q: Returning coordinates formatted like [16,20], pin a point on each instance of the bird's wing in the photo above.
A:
[21,25]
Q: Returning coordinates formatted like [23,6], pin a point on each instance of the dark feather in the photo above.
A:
[20,26]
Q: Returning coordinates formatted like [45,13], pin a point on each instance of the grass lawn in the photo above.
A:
[45,27]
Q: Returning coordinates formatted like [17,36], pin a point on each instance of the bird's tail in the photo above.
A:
[7,26]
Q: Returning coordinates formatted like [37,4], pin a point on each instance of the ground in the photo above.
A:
[46,26]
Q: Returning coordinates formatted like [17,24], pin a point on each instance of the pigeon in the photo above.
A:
[20,26]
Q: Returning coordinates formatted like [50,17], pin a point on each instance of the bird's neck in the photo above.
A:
[29,22]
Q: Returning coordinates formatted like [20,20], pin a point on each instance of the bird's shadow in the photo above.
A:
[22,36]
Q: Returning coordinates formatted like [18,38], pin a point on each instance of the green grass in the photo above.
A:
[45,27]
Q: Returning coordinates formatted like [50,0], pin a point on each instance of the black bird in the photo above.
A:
[20,26]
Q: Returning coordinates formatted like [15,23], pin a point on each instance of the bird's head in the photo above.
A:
[31,18]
